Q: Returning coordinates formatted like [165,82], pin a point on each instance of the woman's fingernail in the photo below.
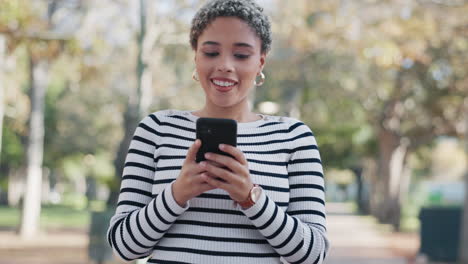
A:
[203,164]
[207,155]
[222,146]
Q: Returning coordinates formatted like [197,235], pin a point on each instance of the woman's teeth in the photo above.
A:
[224,84]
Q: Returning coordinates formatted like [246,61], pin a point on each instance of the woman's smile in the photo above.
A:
[223,85]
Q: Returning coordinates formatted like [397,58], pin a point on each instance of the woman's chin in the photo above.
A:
[223,102]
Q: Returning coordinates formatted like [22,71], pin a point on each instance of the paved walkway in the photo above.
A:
[359,239]
[355,239]
[64,247]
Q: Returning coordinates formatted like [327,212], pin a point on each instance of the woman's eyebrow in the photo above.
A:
[242,44]
[237,44]
[211,43]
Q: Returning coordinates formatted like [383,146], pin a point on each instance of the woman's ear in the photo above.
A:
[262,62]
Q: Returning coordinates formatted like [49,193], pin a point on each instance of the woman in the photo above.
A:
[265,204]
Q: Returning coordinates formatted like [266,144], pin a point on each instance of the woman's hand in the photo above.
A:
[234,177]
[190,182]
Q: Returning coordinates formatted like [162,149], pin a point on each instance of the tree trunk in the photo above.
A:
[388,142]
[362,197]
[45,185]
[369,175]
[3,193]
[32,200]
[393,181]
[15,188]
[2,102]
[396,180]
[134,109]
[143,75]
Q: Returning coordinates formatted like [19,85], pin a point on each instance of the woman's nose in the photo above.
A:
[225,65]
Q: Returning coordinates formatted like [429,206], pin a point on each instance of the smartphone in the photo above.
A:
[215,131]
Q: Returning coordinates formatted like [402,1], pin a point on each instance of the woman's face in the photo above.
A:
[228,59]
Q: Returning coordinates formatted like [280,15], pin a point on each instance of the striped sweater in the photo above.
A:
[286,225]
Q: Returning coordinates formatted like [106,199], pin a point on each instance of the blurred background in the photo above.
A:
[382,83]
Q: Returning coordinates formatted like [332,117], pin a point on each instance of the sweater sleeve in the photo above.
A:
[299,234]
[141,219]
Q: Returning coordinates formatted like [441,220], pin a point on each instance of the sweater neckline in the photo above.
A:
[189,114]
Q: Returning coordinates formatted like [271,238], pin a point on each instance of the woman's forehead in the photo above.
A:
[229,30]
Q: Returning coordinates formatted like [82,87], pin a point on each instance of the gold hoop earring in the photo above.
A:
[262,80]
[195,76]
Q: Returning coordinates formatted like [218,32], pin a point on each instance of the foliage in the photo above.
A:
[348,66]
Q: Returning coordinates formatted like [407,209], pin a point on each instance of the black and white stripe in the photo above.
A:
[287,224]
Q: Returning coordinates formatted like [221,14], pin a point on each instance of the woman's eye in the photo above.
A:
[211,54]
[241,56]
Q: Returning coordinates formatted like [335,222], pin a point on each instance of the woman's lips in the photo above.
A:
[223,85]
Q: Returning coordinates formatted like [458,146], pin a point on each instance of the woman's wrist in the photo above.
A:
[177,194]
[252,198]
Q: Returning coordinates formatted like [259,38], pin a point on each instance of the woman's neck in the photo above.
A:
[241,115]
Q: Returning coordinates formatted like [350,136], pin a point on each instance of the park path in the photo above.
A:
[354,239]
[64,247]
[359,239]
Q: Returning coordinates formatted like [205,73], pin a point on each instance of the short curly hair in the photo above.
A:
[246,10]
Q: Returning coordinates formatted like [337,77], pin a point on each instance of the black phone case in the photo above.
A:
[215,131]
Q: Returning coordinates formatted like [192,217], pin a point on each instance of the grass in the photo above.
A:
[52,217]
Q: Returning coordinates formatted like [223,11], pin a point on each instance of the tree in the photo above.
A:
[2,102]
[160,67]
[43,44]
[401,69]
[32,200]
[421,88]
[134,109]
